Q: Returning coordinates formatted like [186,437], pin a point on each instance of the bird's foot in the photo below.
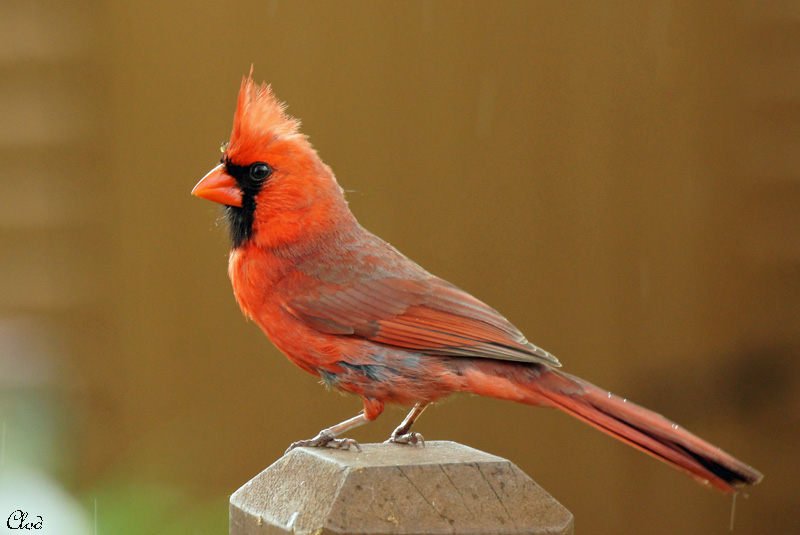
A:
[406,438]
[326,440]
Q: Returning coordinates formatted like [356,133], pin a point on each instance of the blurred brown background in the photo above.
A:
[622,182]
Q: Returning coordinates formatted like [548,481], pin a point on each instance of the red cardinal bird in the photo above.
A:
[348,307]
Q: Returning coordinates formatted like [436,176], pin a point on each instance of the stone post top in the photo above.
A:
[443,487]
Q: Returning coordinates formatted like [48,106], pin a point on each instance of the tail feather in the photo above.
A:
[641,428]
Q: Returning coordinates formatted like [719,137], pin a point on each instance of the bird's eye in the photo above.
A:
[260,171]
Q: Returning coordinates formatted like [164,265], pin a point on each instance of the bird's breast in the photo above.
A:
[254,275]
[263,284]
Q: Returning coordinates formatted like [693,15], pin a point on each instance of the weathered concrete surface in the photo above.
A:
[389,488]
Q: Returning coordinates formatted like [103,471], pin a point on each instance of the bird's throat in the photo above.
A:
[240,221]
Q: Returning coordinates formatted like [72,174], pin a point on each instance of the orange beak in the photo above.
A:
[219,186]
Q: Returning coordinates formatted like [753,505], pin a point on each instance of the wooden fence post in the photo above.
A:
[444,487]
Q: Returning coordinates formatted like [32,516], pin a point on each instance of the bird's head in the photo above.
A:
[273,185]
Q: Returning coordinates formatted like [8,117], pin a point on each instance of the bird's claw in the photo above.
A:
[407,438]
[343,444]
[326,440]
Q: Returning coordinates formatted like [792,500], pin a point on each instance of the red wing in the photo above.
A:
[427,315]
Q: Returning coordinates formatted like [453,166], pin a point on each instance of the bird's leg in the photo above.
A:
[327,437]
[402,434]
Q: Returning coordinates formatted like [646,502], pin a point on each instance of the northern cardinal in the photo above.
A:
[348,307]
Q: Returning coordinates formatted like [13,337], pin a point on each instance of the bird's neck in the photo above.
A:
[297,231]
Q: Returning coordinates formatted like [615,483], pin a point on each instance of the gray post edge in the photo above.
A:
[443,487]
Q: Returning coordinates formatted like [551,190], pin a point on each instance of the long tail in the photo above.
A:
[641,428]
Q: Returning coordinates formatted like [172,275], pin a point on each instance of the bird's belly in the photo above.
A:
[394,376]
